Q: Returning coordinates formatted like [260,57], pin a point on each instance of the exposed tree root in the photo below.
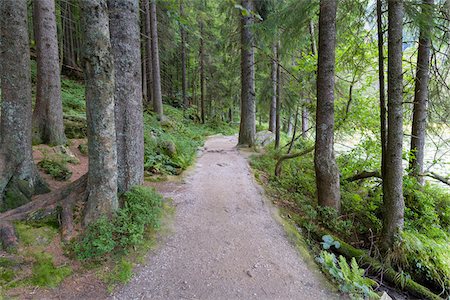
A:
[44,205]
[8,235]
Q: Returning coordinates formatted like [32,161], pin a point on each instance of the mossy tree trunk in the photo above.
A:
[19,178]
[247,130]
[125,41]
[48,125]
[327,173]
[99,77]
[273,102]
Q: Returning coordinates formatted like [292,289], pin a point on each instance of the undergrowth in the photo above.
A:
[57,166]
[141,209]
[171,145]
[424,250]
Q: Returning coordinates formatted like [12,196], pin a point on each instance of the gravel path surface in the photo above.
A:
[225,244]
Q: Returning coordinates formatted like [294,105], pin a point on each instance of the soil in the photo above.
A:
[224,243]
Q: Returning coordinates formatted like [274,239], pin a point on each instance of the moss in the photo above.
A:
[17,194]
[46,274]
[36,237]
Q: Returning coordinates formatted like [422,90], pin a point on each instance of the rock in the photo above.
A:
[63,150]
[264,138]
[169,148]
[385,296]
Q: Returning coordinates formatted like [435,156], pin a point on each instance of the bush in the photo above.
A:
[141,210]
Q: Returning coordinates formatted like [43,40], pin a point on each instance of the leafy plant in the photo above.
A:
[350,278]
[56,167]
[141,210]
[328,241]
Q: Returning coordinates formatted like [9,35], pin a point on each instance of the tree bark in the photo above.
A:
[305,119]
[19,178]
[202,73]
[183,59]
[68,26]
[383,125]
[327,173]
[394,205]
[278,101]
[419,123]
[125,42]
[99,77]
[157,96]
[247,129]
[48,125]
[273,102]
[148,51]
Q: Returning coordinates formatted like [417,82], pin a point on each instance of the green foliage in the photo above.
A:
[96,240]
[56,167]
[141,210]
[121,273]
[350,278]
[46,274]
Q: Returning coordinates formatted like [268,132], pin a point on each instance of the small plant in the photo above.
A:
[350,278]
[328,241]
[56,167]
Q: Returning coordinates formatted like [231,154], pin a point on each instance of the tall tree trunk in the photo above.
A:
[273,102]
[247,129]
[68,33]
[183,59]
[98,65]
[48,124]
[157,97]
[143,38]
[383,124]
[148,51]
[305,119]
[327,173]
[313,37]
[202,73]
[125,41]
[278,101]
[418,130]
[394,205]
[291,144]
[19,178]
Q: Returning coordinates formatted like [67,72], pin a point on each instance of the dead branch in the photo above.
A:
[363,175]
[289,156]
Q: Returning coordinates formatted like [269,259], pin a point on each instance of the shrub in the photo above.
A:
[56,167]
[142,208]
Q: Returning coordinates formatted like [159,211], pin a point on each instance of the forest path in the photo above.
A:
[226,243]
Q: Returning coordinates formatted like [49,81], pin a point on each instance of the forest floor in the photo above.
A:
[226,241]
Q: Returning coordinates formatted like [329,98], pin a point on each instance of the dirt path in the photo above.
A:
[226,244]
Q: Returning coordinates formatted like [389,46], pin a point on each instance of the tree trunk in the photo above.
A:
[394,205]
[69,58]
[383,129]
[125,42]
[183,59]
[247,130]
[145,99]
[157,97]
[327,173]
[148,51]
[98,68]
[48,125]
[202,74]
[19,178]
[418,131]
[305,119]
[273,102]
[278,101]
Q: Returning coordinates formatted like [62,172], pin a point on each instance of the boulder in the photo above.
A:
[264,138]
